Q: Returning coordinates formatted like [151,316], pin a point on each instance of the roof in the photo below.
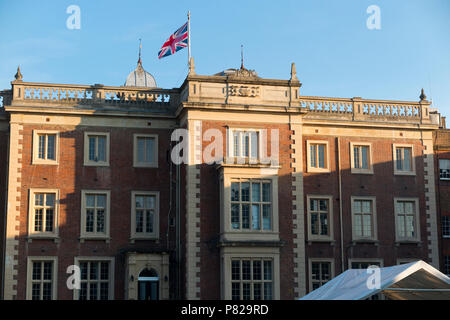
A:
[413,281]
[140,78]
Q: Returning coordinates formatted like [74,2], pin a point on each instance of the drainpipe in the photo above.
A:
[178,228]
[8,143]
[340,203]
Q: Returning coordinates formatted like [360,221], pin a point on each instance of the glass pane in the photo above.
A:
[150,202]
[246,271]
[356,157]
[254,144]
[38,216]
[357,206]
[256,192]
[321,148]
[409,207]
[245,189]
[257,270]
[236,145]
[89,220]
[83,270]
[246,144]
[93,272]
[141,149]
[245,216]
[47,270]
[37,270]
[315,271]
[266,192]
[399,207]
[268,291]
[93,291]
[139,221]
[51,147]
[235,191]
[407,159]
[83,291]
[47,291]
[366,206]
[104,289]
[100,220]
[39,199]
[101,149]
[367,225]
[92,148]
[235,270]
[139,202]
[49,220]
[399,158]
[101,201]
[36,291]
[324,224]
[325,274]
[358,225]
[410,226]
[235,221]
[313,155]
[323,205]
[267,217]
[257,291]
[401,226]
[149,148]
[256,217]
[149,224]
[104,272]
[50,200]
[246,291]
[364,157]
[267,270]
[41,147]
[235,291]
[313,204]
[90,201]
[314,224]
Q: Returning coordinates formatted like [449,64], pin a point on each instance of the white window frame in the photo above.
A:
[136,162]
[31,204]
[374,236]
[416,238]
[143,235]
[111,261]
[95,235]
[369,169]
[233,172]
[88,162]
[319,237]
[230,148]
[30,260]
[319,260]
[35,158]
[411,172]
[446,160]
[371,261]
[308,156]
[234,253]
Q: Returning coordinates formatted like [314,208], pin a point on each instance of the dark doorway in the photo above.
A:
[148,285]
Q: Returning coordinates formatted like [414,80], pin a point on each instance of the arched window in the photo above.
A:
[148,285]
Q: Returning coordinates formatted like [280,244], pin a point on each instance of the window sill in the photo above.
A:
[408,242]
[41,162]
[247,161]
[145,165]
[356,171]
[332,242]
[317,170]
[404,173]
[95,238]
[96,164]
[365,241]
[55,238]
[148,238]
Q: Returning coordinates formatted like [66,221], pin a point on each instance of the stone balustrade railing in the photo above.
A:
[365,109]
[23,93]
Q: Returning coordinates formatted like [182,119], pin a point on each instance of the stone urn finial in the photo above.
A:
[422,97]
[18,75]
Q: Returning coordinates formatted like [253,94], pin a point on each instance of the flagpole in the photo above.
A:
[189,38]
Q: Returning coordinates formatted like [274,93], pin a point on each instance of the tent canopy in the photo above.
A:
[412,281]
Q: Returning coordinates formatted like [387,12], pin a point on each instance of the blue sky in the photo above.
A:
[335,53]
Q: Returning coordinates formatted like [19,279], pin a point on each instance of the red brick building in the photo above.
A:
[267,194]
[442,154]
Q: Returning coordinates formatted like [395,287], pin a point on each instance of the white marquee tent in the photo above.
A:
[412,281]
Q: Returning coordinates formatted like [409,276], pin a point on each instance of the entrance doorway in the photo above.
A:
[148,285]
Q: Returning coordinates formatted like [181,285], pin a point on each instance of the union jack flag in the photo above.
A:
[176,42]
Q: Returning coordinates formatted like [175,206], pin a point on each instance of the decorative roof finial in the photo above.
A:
[293,72]
[242,57]
[191,67]
[18,75]
[422,97]
[140,48]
